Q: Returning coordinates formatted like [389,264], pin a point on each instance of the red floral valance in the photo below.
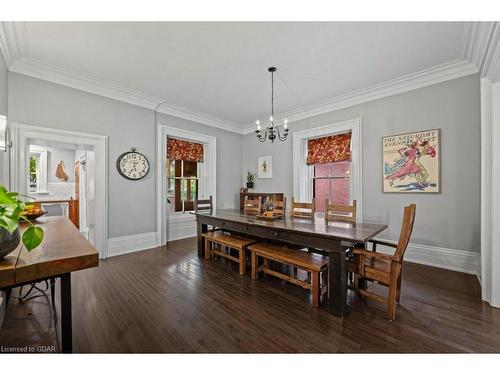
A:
[178,149]
[329,149]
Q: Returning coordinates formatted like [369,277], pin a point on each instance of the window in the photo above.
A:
[326,171]
[331,181]
[33,173]
[182,184]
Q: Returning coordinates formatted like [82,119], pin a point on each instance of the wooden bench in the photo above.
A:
[314,264]
[220,239]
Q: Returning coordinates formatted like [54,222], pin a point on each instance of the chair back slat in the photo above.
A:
[302,210]
[203,204]
[279,206]
[252,206]
[406,230]
[340,212]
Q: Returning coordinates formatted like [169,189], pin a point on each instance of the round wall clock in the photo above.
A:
[132,165]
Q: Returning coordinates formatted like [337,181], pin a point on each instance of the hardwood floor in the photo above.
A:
[169,300]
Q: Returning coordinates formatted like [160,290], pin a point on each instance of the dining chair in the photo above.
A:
[279,206]
[383,269]
[252,205]
[203,204]
[302,210]
[340,212]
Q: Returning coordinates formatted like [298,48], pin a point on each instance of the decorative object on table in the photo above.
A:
[411,162]
[272,131]
[60,172]
[12,211]
[265,167]
[132,165]
[250,180]
[32,212]
[268,208]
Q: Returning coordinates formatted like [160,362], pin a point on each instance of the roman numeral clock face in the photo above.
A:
[132,165]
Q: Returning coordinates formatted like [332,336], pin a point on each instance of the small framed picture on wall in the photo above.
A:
[265,167]
[411,162]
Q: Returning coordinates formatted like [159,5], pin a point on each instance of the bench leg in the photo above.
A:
[207,248]
[242,260]
[315,290]
[254,265]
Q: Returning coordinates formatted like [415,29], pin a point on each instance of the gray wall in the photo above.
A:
[450,219]
[131,203]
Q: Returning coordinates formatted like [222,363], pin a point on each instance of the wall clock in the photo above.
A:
[132,165]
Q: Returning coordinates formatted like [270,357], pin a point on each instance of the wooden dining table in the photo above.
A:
[304,232]
[64,250]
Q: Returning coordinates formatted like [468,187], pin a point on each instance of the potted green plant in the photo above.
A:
[268,208]
[250,180]
[11,213]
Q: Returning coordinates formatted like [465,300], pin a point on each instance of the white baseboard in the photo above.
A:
[451,259]
[179,229]
[129,244]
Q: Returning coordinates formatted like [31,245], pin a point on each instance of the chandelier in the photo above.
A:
[272,131]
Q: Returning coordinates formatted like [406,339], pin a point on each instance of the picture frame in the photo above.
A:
[265,167]
[411,162]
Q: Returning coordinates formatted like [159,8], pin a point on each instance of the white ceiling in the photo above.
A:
[221,68]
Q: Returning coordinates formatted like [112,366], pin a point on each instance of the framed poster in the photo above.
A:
[411,162]
[265,167]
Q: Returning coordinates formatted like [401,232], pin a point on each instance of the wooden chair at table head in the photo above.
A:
[302,210]
[203,205]
[279,206]
[385,269]
[340,212]
[252,206]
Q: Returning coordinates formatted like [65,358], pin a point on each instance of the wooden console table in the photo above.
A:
[63,250]
[273,196]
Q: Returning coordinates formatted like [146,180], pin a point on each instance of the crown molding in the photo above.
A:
[482,48]
[441,73]
[13,41]
[52,73]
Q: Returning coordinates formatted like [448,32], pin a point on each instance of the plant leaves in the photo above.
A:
[32,237]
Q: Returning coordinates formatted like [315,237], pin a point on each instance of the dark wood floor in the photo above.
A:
[169,300]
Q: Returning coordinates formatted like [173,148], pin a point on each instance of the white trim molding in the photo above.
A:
[13,41]
[165,223]
[20,136]
[52,73]
[132,243]
[450,259]
[441,73]
[302,174]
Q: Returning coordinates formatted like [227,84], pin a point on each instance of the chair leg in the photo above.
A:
[254,265]
[391,308]
[315,290]
[53,292]
[398,291]
[242,261]
[207,249]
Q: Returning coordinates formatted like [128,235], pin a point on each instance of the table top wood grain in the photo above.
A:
[63,250]
[353,232]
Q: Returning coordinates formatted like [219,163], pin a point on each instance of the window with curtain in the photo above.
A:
[182,172]
[331,158]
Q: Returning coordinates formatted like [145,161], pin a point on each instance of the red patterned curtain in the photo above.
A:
[178,149]
[329,149]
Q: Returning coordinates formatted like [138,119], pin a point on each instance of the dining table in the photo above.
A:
[64,250]
[307,233]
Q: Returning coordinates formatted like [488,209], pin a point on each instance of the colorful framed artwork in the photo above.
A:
[265,167]
[411,162]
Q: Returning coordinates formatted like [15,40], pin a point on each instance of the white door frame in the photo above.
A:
[21,133]
[302,173]
[163,131]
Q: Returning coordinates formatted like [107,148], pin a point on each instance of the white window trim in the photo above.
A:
[303,174]
[207,177]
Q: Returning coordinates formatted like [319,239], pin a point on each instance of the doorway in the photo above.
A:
[68,172]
